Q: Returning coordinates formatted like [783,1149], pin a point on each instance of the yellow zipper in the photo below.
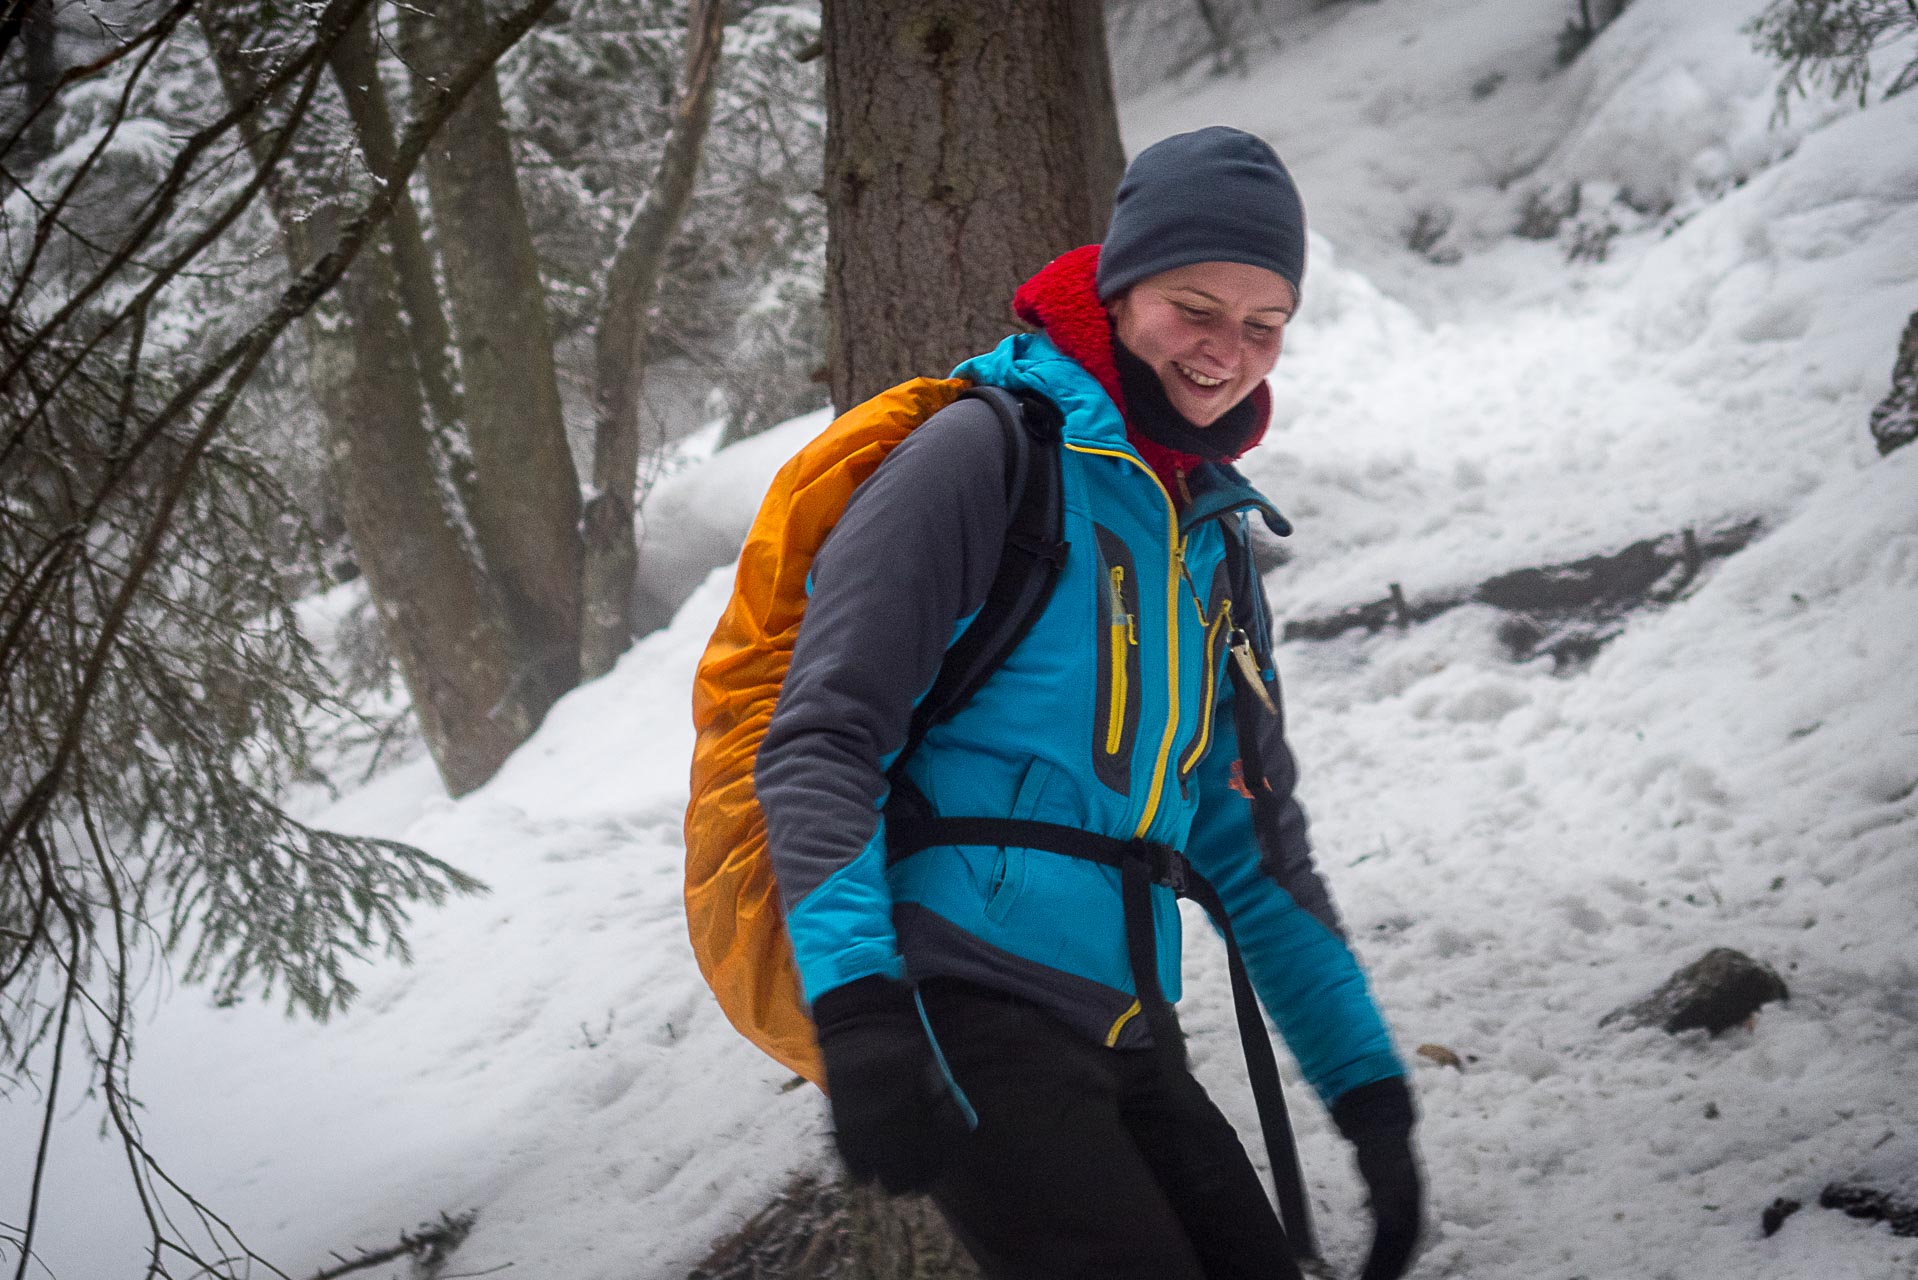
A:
[1177,568]
[1121,631]
[1220,620]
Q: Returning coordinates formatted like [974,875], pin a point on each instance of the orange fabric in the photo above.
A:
[732,903]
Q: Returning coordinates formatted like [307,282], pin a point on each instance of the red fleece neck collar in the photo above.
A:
[1063,299]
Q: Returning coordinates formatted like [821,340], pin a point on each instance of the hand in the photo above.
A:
[893,1117]
[1377,1119]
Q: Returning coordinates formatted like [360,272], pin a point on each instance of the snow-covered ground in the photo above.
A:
[1517,853]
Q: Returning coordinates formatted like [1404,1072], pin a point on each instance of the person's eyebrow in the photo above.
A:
[1220,302]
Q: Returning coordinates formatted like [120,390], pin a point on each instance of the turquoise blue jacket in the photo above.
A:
[1114,715]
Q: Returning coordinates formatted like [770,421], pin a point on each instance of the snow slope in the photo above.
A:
[1517,853]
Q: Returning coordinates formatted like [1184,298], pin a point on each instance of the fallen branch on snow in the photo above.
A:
[1566,610]
[429,1246]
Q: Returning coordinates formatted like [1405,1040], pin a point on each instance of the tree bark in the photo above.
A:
[819,1230]
[967,144]
[1105,153]
[956,165]
[33,22]
[356,69]
[438,616]
[526,502]
[611,550]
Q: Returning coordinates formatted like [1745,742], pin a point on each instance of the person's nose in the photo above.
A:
[1226,351]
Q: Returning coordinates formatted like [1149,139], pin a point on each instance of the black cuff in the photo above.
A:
[874,994]
[1381,1109]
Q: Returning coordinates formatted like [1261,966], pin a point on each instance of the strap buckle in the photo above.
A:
[1164,864]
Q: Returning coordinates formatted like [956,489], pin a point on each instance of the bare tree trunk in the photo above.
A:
[33,22]
[819,1230]
[526,503]
[1105,153]
[1604,12]
[441,620]
[356,69]
[437,613]
[612,555]
[959,160]
[956,165]
[1225,49]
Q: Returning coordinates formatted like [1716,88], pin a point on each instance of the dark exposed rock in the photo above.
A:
[1775,1214]
[1884,1189]
[1895,421]
[1568,611]
[1870,1202]
[1716,992]
[1373,616]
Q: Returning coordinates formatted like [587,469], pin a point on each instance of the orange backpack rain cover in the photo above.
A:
[732,904]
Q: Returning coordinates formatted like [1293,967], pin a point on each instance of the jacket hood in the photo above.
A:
[1063,299]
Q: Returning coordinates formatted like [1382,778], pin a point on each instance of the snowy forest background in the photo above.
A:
[384,394]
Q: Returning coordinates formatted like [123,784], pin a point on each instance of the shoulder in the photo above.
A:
[960,450]
[964,433]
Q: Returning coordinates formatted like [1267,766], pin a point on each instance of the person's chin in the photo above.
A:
[1202,414]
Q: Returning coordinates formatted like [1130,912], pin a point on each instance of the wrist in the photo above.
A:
[1379,1111]
[873,996]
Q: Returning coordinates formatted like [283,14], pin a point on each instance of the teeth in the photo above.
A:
[1198,377]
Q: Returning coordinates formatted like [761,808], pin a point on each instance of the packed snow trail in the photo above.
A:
[1517,852]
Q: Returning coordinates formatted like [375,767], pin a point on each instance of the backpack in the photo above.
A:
[732,903]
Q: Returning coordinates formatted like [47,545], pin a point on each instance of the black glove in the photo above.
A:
[893,1116]
[1377,1119]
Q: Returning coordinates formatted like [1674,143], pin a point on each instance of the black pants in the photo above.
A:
[1092,1162]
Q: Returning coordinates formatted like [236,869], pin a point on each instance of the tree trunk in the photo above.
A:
[526,503]
[1105,154]
[356,69]
[967,144]
[611,552]
[956,165]
[443,624]
[437,613]
[817,1230]
[33,21]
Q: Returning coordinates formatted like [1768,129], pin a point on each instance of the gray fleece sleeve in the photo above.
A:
[911,559]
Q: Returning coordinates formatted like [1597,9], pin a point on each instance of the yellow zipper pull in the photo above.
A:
[1120,616]
[1249,668]
[1192,588]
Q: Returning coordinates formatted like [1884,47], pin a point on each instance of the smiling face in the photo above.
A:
[1211,331]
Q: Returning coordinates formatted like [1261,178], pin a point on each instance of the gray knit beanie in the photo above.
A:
[1214,195]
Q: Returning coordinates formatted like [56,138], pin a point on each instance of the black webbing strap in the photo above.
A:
[1262,1070]
[1034,552]
[1251,719]
[1142,864]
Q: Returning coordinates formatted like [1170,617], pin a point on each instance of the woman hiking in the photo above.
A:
[991,1032]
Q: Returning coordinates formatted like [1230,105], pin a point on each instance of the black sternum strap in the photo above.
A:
[908,833]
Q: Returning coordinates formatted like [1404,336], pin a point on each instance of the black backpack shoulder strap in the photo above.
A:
[1242,585]
[1035,552]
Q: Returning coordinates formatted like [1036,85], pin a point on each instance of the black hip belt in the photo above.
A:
[1142,864]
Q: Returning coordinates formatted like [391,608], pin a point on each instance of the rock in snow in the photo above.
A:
[1717,992]
[1885,1188]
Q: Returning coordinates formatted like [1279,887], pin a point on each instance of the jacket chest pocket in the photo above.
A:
[1215,612]
[1116,642]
